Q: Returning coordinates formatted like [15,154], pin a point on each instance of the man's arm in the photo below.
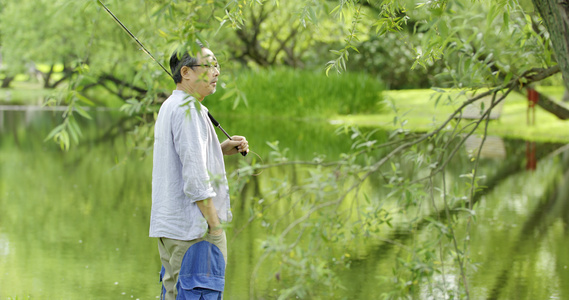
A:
[210,214]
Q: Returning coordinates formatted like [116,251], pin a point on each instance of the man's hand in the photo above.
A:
[236,145]
[210,214]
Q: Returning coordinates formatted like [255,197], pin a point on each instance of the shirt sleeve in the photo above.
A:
[190,135]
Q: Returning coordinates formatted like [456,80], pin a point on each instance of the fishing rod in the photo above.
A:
[213,121]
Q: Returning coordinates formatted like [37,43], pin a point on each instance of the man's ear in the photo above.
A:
[185,71]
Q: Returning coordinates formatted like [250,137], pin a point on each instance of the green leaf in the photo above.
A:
[506,20]
[84,99]
[76,127]
[469,211]
[72,132]
[54,131]
[335,9]
[236,101]
[82,112]
[312,15]
[200,38]
[492,14]
[162,33]
[63,138]
[328,67]
[244,97]
[443,28]
[508,77]
[229,94]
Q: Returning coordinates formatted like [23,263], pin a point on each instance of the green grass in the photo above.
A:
[355,98]
[301,93]
[421,112]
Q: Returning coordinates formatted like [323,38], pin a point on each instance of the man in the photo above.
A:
[190,197]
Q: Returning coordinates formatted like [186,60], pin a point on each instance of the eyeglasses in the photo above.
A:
[210,66]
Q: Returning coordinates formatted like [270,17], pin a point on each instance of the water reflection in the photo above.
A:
[29,114]
[532,250]
[83,225]
[531,161]
[492,147]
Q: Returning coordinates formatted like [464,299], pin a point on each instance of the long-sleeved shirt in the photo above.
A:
[187,167]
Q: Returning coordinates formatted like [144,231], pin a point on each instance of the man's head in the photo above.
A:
[195,75]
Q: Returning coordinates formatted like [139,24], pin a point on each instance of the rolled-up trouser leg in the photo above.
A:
[221,242]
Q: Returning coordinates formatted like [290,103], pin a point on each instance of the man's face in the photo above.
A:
[203,78]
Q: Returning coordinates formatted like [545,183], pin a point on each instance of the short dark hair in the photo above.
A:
[176,63]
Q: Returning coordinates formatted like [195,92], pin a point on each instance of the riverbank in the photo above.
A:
[418,110]
[350,99]
[24,93]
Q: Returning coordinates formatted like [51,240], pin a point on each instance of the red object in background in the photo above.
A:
[531,161]
[533,98]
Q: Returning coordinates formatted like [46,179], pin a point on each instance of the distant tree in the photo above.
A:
[7,78]
[35,36]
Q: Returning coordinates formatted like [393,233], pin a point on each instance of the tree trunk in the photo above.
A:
[47,77]
[6,81]
[555,15]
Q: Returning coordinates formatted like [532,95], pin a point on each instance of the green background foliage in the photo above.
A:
[293,64]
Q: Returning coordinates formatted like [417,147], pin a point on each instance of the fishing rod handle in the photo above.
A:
[216,124]
[244,153]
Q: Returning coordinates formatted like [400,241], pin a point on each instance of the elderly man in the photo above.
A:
[190,197]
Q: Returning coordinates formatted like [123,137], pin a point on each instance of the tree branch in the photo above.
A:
[528,77]
[120,82]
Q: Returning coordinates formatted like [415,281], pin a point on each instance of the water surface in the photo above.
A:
[74,225]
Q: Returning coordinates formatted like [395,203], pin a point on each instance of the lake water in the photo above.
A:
[74,225]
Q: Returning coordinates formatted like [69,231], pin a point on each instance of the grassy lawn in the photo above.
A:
[421,112]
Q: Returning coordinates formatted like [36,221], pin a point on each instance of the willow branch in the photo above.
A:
[460,261]
[484,116]
[308,163]
[473,181]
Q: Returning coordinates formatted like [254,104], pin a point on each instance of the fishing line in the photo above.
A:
[213,121]
[134,37]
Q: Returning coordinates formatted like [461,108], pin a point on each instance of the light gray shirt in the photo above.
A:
[187,167]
